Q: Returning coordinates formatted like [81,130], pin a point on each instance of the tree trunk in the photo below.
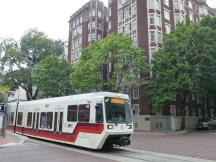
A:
[183,103]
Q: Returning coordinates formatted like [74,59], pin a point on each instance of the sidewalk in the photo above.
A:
[11,139]
[163,132]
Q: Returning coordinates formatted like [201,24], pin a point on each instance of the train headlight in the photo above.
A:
[129,126]
[110,126]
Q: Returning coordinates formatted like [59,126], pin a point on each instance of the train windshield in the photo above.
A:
[118,110]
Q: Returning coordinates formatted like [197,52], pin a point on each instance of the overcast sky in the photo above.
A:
[48,16]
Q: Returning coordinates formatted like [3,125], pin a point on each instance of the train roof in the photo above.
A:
[73,97]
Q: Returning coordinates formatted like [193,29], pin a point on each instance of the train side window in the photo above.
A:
[72,113]
[29,119]
[99,113]
[19,119]
[84,113]
[49,120]
[12,117]
[43,120]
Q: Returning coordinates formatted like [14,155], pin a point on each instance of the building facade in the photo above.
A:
[146,22]
[86,26]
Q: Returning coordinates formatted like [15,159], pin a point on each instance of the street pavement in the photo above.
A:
[145,147]
[37,151]
[198,144]
[11,139]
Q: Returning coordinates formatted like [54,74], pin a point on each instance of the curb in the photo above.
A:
[162,133]
[20,137]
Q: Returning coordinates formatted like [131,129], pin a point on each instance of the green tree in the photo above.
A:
[21,57]
[52,77]
[185,65]
[105,64]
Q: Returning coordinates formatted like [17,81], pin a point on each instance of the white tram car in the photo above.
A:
[90,120]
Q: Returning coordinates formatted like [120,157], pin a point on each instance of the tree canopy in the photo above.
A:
[21,57]
[52,77]
[186,64]
[105,64]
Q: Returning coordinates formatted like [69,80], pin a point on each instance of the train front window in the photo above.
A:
[118,111]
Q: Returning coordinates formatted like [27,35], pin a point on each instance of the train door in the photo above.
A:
[58,120]
[35,119]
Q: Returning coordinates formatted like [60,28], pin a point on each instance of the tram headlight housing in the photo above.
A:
[129,126]
[110,126]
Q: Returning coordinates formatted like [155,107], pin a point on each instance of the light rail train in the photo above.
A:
[92,120]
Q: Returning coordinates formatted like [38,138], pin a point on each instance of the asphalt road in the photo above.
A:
[145,147]
[39,151]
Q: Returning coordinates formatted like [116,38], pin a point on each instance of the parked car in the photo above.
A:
[206,123]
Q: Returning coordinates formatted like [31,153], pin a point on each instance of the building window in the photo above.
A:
[99,36]
[127,91]
[166,2]
[109,25]
[136,93]
[120,30]
[154,4]
[167,28]
[178,4]
[151,4]
[177,18]
[99,14]
[84,113]
[72,113]
[191,17]
[167,15]
[126,13]
[99,25]
[152,36]
[136,110]
[133,10]
[133,25]
[80,19]
[120,17]
[20,117]
[127,29]
[93,13]
[190,4]
[29,119]
[158,20]
[159,35]
[157,5]
[153,50]
[93,24]
[152,19]
[134,39]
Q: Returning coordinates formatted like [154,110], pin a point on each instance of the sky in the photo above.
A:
[48,16]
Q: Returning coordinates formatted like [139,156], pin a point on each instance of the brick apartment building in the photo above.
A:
[86,26]
[145,22]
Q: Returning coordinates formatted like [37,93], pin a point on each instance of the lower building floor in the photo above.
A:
[170,115]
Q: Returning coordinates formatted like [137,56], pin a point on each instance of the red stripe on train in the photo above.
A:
[67,137]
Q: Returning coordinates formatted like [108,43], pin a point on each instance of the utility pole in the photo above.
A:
[16,111]
[3,120]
